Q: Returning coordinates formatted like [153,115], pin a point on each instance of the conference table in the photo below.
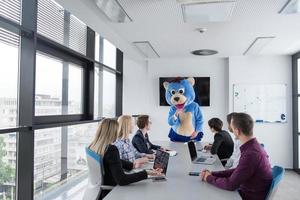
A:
[179,185]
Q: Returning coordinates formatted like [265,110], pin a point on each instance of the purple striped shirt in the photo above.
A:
[253,175]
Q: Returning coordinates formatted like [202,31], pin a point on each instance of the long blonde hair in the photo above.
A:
[106,134]
[124,126]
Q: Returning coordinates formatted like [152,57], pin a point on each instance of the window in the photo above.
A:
[109,54]
[109,94]
[11,9]
[51,20]
[56,95]
[97,47]
[105,94]
[97,92]
[298,75]
[48,94]
[9,52]
[8,166]
[47,159]
[57,24]
[60,158]
[75,89]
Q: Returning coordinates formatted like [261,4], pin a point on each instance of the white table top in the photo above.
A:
[179,184]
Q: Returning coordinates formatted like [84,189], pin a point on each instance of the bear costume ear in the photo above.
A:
[191,80]
[166,84]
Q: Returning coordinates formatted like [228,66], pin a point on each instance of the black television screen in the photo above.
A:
[202,90]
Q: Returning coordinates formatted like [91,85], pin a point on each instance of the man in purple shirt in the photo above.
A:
[253,175]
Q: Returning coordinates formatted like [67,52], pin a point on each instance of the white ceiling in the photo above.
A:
[161,23]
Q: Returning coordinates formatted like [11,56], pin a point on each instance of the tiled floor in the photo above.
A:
[289,188]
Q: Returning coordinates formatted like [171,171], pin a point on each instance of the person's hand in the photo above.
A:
[155,172]
[204,174]
[194,134]
[178,111]
[207,147]
[138,163]
[150,156]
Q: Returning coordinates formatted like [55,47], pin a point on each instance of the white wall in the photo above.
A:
[141,93]
[142,96]
[267,70]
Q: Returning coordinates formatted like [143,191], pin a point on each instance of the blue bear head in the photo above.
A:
[180,93]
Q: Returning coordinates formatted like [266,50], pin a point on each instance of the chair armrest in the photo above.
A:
[106,187]
[224,159]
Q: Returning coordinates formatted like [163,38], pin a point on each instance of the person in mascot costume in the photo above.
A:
[185,116]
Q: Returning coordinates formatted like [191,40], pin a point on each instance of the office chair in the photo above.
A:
[95,179]
[277,173]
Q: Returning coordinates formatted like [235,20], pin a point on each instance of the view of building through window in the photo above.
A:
[59,153]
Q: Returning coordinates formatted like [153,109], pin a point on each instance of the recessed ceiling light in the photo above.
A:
[147,49]
[204,52]
[290,7]
[113,10]
[257,45]
[217,11]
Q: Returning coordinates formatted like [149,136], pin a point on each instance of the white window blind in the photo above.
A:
[11,9]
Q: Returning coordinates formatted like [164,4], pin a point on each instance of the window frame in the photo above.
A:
[31,42]
[296,95]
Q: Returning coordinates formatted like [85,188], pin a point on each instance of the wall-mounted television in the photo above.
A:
[202,90]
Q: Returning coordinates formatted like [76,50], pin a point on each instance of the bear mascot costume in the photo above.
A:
[185,116]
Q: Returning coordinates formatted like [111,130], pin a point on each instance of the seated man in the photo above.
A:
[253,175]
[233,161]
[223,144]
[141,139]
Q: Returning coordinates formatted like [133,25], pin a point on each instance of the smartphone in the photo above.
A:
[194,173]
[159,178]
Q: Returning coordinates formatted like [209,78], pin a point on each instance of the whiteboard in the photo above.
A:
[265,103]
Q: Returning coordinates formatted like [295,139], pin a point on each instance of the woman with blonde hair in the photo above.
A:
[126,149]
[113,166]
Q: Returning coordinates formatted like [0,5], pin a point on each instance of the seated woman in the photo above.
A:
[223,143]
[141,139]
[113,166]
[126,149]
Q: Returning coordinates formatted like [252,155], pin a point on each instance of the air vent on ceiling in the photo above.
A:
[113,10]
[257,45]
[217,11]
[204,52]
[147,49]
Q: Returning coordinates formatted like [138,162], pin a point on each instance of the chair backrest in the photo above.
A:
[95,167]
[277,173]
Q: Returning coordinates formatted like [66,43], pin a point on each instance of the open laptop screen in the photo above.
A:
[161,161]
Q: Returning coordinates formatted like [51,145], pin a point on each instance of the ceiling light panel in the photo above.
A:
[258,45]
[291,7]
[147,49]
[218,11]
[113,10]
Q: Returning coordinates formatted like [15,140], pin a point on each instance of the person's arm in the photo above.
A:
[172,119]
[224,173]
[218,139]
[152,146]
[140,145]
[244,171]
[116,166]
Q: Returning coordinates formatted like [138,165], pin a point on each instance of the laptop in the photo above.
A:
[161,161]
[203,159]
